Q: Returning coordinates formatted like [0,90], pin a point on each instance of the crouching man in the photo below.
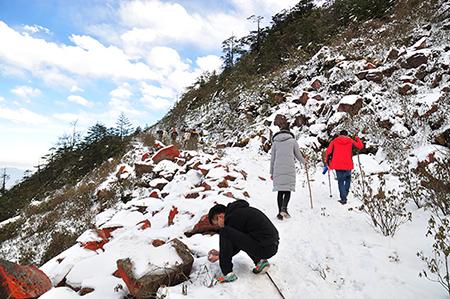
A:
[242,228]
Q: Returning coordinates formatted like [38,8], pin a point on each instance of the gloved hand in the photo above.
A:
[325,169]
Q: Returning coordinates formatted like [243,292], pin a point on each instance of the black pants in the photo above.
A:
[283,200]
[232,241]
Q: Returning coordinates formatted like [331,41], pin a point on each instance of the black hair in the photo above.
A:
[344,132]
[217,209]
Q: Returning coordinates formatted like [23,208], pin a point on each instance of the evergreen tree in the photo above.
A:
[232,49]
[123,126]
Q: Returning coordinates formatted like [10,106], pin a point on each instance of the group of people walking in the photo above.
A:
[245,228]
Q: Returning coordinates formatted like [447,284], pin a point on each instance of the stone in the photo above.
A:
[304,98]
[316,84]
[158,242]
[148,285]
[280,120]
[140,169]
[203,226]
[375,76]
[443,138]
[18,281]
[351,109]
[393,54]
[167,153]
[415,60]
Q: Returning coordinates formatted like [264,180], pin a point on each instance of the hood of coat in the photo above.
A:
[231,207]
[283,136]
[343,140]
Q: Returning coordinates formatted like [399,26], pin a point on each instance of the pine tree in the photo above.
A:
[123,126]
[4,177]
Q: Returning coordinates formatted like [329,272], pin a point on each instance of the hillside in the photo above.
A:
[382,74]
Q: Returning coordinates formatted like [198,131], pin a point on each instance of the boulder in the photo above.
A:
[443,138]
[17,281]
[167,153]
[393,54]
[140,169]
[300,121]
[202,227]
[375,76]
[172,214]
[350,104]
[405,89]
[316,84]
[280,120]
[304,98]
[148,285]
[415,60]
[158,242]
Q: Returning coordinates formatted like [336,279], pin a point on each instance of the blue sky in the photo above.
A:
[89,60]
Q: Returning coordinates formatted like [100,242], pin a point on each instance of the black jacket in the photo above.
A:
[251,221]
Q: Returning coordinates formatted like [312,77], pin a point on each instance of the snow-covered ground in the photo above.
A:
[330,251]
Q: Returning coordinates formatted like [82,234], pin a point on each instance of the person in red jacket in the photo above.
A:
[339,155]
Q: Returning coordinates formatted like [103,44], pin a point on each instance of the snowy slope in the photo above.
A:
[331,251]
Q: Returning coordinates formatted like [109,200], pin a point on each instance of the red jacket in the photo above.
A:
[341,150]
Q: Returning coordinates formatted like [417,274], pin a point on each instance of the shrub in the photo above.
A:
[386,208]
[438,265]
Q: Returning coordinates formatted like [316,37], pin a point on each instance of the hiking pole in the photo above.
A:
[273,282]
[329,182]
[361,175]
[309,184]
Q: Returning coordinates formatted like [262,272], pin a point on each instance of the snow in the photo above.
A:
[331,251]
[350,99]
[10,220]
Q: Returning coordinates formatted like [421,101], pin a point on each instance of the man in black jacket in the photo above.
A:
[242,228]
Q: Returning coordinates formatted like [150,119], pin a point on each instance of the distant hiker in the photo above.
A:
[160,134]
[340,150]
[242,228]
[174,135]
[285,150]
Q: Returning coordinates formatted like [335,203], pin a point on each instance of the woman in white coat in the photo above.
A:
[285,150]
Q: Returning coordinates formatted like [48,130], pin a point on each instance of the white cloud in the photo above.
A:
[122,92]
[166,59]
[209,63]
[26,91]
[36,29]
[2,99]
[75,88]
[79,100]
[87,57]
[156,103]
[22,116]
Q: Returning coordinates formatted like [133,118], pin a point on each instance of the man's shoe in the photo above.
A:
[230,277]
[342,201]
[279,216]
[261,267]
[285,215]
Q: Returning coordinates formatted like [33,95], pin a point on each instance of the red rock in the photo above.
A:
[304,98]
[223,184]
[85,291]
[351,109]
[147,285]
[230,178]
[192,195]
[144,224]
[202,227]
[180,161]
[318,97]
[17,281]
[158,242]
[393,54]
[316,84]
[167,153]
[121,171]
[145,156]
[361,75]
[369,66]
[206,186]
[221,145]
[280,120]
[154,194]
[415,60]
[246,194]
[375,76]
[261,178]
[172,214]
[228,194]
[106,232]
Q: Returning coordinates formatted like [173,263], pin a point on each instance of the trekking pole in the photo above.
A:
[273,282]
[361,175]
[309,184]
[329,182]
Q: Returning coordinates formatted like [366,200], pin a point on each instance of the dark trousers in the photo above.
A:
[344,178]
[232,241]
[283,200]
